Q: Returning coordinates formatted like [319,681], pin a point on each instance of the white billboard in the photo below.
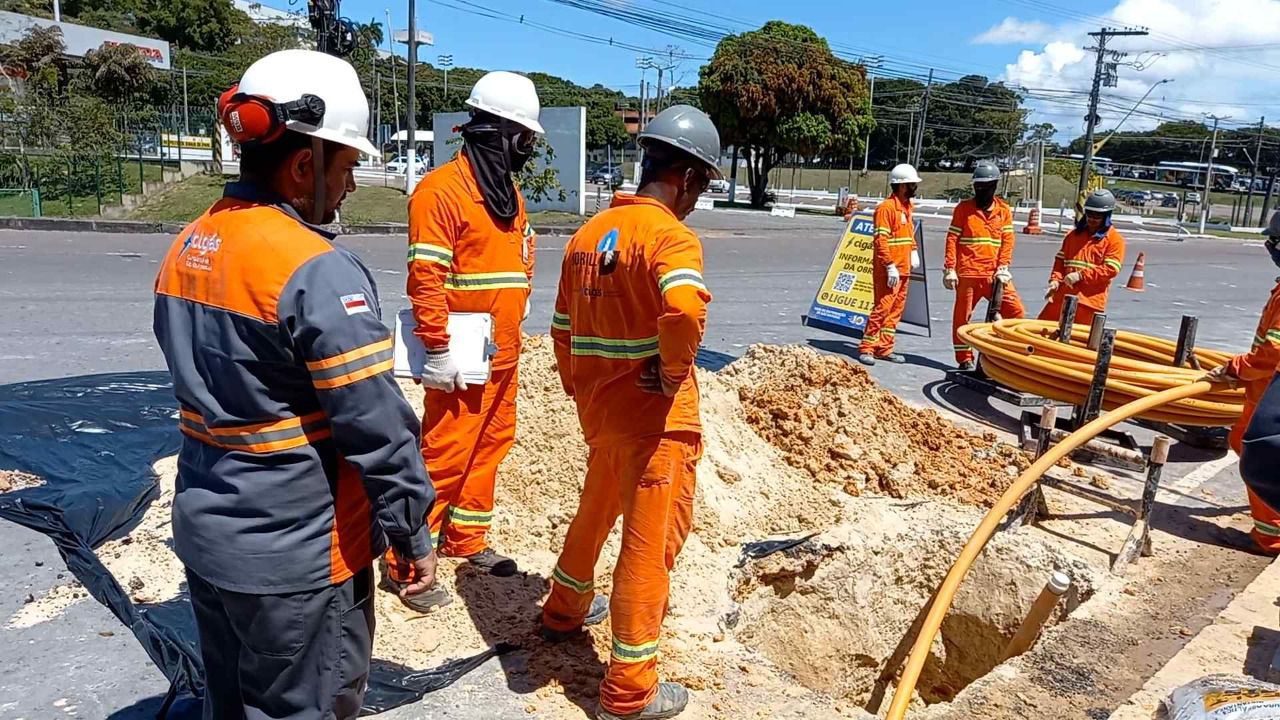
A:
[80,39]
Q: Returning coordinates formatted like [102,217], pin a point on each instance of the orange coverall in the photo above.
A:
[978,242]
[631,297]
[895,238]
[462,259]
[1255,369]
[1098,259]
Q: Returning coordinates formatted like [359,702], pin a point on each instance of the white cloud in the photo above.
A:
[1243,83]
[1012,31]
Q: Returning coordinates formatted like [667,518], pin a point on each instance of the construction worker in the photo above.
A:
[979,252]
[471,250]
[894,257]
[299,459]
[1091,257]
[629,317]
[1255,370]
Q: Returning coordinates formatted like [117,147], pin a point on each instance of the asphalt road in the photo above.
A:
[81,304]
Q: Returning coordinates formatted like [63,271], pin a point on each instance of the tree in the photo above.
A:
[780,89]
[971,119]
[204,25]
[119,73]
[42,55]
[604,127]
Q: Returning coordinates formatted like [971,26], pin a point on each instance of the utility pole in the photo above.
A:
[1102,35]
[395,86]
[1206,202]
[377,104]
[866,150]
[1253,173]
[918,153]
[411,119]
[445,62]
[186,119]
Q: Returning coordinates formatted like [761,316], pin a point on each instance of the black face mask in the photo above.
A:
[1273,250]
[984,194]
[496,153]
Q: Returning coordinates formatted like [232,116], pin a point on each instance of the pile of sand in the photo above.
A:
[774,422]
[11,480]
[830,418]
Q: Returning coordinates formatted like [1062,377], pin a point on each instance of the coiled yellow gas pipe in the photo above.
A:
[1142,383]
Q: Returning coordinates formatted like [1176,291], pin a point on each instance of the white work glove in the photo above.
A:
[915,260]
[441,373]
[528,305]
[1221,375]
[950,279]
[895,277]
[1003,274]
[1071,279]
[1053,288]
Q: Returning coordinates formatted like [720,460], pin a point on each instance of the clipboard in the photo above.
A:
[470,345]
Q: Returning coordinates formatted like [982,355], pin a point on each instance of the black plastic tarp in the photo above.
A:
[93,440]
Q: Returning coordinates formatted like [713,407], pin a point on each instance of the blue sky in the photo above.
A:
[1223,56]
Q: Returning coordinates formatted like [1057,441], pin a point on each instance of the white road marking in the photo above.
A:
[1200,475]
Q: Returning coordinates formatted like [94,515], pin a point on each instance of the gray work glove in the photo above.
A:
[950,279]
[441,373]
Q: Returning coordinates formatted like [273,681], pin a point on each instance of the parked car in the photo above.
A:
[1169,200]
[607,176]
[400,164]
[718,186]
[1193,197]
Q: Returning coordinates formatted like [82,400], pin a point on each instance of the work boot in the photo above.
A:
[668,703]
[892,357]
[596,614]
[491,562]
[424,603]
[867,359]
[967,366]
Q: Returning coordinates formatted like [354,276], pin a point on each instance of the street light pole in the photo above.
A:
[445,62]
[1092,119]
[395,86]
[1206,202]
[1116,129]
[411,119]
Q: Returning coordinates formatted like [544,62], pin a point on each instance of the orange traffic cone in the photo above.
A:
[850,207]
[1138,280]
[1033,222]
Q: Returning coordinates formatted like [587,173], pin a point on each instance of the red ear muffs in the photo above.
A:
[252,120]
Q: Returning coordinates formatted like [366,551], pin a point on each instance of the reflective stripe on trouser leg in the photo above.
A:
[1266,524]
[464,447]
[572,580]
[882,328]
[658,478]
[968,292]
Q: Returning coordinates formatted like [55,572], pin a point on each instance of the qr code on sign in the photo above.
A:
[844,282]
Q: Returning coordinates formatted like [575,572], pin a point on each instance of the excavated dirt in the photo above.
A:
[830,418]
[796,444]
[11,480]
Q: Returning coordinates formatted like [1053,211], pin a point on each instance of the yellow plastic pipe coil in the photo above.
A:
[1026,355]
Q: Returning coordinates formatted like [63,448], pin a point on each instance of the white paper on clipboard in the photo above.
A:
[470,345]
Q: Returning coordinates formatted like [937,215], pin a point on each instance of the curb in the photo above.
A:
[170,228]
[90,225]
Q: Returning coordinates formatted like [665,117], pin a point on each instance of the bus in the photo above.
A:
[1190,174]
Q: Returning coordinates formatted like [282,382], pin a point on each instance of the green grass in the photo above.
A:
[54,202]
[1229,234]
[184,201]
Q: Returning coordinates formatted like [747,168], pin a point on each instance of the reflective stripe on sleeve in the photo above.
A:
[425,252]
[263,437]
[680,277]
[353,366]
[1113,264]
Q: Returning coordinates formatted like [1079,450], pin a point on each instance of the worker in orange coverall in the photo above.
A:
[1255,370]
[471,251]
[979,252]
[1091,257]
[629,317]
[894,257]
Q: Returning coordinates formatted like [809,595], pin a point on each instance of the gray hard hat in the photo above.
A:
[688,129]
[1273,228]
[986,171]
[1100,201]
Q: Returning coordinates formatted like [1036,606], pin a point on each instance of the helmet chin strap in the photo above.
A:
[317,172]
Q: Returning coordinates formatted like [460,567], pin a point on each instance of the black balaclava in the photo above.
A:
[495,151]
[1273,250]
[984,194]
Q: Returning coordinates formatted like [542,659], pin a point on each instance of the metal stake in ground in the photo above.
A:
[997,297]
[1187,343]
[1139,538]
[1033,505]
[1101,368]
[1068,318]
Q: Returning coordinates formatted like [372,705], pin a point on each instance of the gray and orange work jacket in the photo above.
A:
[300,457]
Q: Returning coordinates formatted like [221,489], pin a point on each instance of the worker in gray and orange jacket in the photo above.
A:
[299,460]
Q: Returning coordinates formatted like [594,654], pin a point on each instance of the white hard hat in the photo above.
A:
[903,173]
[508,95]
[287,75]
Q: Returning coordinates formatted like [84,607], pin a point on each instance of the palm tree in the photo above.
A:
[372,33]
